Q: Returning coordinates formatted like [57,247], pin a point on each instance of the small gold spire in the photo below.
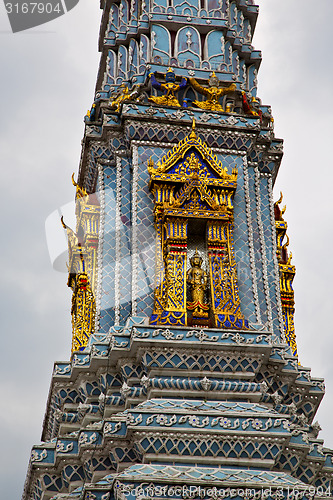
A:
[62,222]
[289,259]
[80,192]
[193,134]
[287,243]
[150,165]
[280,199]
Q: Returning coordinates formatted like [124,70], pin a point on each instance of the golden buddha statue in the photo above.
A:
[197,281]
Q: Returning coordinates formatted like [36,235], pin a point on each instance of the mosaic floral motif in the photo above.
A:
[210,422]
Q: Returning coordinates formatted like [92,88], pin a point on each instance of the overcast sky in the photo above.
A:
[47,84]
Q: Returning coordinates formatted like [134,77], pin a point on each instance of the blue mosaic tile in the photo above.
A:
[125,259]
[241,240]
[146,231]
[108,268]
[257,247]
[266,220]
[106,319]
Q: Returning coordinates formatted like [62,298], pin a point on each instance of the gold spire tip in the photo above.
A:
[62,221]
[193,134]
[280,199]
[73,181]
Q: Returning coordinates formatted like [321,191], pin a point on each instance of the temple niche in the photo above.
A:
[193,196]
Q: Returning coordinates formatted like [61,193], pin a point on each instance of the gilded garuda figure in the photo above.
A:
[123,94]
[251,108]
[197,279]
[169,88]
[213,93]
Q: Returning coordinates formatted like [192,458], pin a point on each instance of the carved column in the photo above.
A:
[223,276]
[170,296]
[287,274]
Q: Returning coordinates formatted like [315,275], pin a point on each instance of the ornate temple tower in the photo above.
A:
[184,379]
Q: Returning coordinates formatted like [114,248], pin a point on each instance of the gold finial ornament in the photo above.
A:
[287,243]
[71,236]
[80,192]
[150,165]
[280,199]
[62,222]
[193,134]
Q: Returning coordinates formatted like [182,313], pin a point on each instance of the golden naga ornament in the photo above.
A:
[169,89]
[80,192]
[287,274]
[82,267]
[193,196]
[213,93]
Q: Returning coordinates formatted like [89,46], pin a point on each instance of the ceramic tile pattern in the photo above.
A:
[109,251]
[270,262]
[145,258]
[257,247]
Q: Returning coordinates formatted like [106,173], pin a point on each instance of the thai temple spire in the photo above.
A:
[184,379]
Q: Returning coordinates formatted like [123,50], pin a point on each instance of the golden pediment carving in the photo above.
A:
[195,192]
[191,157]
